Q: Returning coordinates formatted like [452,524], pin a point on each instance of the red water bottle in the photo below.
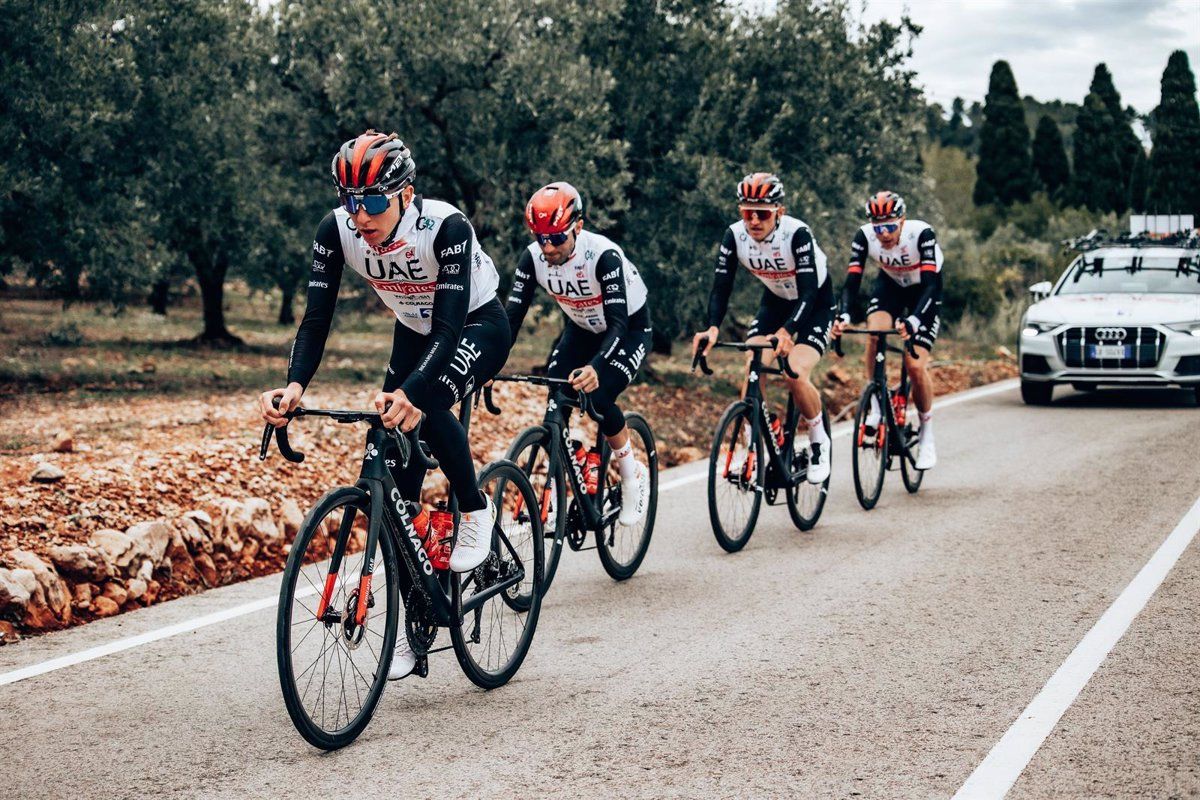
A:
[899,407]
[441,530]
[776,427]
[592,470]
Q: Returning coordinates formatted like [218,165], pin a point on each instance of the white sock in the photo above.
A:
[816,430]
[625,461]
[873,413]
[926,424]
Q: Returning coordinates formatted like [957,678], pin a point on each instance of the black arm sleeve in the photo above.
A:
[324,279]
[611,270]
[451,300]
[804,253]
[521,294]
[931,279]
[854,274]
[718,298]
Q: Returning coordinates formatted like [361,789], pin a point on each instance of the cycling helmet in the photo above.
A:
[373,162]
[885,205]
[760,187]
[553,208]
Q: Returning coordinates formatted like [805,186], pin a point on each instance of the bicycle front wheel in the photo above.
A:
[501,598]
[908,471]
[531,452]
[870,451]
[333,662]
[622,547]
[805,500]
[735,477]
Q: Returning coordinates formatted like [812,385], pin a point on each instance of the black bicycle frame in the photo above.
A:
[756,404]
[883,393]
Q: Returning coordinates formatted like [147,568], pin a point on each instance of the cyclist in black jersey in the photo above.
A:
[451,334]
[797,302]
[606,334]
[907,294]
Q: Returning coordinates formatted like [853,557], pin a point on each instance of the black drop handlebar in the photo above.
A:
[409,444]
[701,360]
[881,335]
[536,380]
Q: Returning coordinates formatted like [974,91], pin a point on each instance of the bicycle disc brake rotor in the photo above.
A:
[576,534]
[419,625]
[352,632]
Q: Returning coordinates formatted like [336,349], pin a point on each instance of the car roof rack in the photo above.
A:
[1099,237]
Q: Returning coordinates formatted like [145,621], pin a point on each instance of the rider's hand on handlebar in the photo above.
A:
[395,409]
[906,328]
[839,326]
[289,400]
[585,379]
[709,337]
[783,343]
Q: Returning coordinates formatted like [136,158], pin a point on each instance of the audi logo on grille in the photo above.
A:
[1111,334]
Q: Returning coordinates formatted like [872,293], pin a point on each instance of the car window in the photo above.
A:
[1160,275]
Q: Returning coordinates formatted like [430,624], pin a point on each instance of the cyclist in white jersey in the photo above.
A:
[907,294]
[422,258]
[797,301]
[607,323]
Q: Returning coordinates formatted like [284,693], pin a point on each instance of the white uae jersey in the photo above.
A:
[772,260]
[576,286]
[916,252]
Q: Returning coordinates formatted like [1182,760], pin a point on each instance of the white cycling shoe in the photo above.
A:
[926,454]
[635,496]
[818,462]
[404,660]
[474,540]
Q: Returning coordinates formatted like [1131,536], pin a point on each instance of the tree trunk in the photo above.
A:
[286,315]
[160,296]
[211,275]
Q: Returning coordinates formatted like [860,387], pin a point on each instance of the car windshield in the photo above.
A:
[1153,275]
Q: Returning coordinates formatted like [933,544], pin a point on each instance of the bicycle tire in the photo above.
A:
[732,423]
[538,437]
[620,569]
[863,479]
[816,493]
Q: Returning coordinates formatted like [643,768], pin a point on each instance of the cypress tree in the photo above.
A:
[1004,170]
[1050,157]
[1097,183]
[1137,182]
[1175,161]
[1121,132]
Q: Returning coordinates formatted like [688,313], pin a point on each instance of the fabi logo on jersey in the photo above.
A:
[319,248]
[453,250]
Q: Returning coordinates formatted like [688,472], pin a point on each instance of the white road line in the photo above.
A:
[268,602]
[996,774]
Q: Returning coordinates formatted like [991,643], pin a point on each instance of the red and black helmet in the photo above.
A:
[373,162]
[760,187]
[885,205]
[553,208]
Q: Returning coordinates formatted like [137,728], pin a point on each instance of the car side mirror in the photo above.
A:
[1041,290]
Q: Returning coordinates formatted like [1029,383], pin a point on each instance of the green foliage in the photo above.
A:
[1005,174]
[1124,141]
[1175,160]
[1097,183]
[1050,157]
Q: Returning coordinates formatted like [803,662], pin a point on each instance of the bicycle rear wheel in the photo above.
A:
[870,451]
[735,478]
[531,452]
[502,597]
[805,500]
[911,475]
[332,670]
[622,547]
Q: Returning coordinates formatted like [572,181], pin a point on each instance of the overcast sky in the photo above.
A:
[1052,45]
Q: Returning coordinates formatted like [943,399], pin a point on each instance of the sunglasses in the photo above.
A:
[556,239]
[372,203]
[761,214]
[891,227]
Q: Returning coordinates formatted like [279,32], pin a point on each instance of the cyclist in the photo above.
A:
[907,293]
[606,330]
[797,303]
[423,260]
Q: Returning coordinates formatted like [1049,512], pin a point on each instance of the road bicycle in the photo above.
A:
[358,563]
[755,454]
[554,463]
[877,448]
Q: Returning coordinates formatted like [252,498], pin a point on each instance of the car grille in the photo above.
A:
[1145,347]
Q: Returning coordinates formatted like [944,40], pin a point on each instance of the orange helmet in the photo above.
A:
[373,161]
[760,187]
[553,208]
[885,205]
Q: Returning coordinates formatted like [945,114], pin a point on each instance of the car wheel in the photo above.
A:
[1036,394]
[1198,394]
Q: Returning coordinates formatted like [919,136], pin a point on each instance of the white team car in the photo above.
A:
[1126,312]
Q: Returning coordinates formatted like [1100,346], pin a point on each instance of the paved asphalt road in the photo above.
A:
[881,655]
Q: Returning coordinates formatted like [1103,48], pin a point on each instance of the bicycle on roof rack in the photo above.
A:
[359,563]
[756,455]
[555,462]
[893,438]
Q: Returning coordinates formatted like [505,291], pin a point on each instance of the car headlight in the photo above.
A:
[1187,327]
[1034,328]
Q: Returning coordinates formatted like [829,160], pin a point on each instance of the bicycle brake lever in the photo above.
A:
[489,403]
[285,447]
[266,442]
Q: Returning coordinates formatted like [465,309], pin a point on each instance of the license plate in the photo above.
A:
[1110,350]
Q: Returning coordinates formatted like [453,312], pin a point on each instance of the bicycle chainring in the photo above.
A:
[419,624]
[576,533]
